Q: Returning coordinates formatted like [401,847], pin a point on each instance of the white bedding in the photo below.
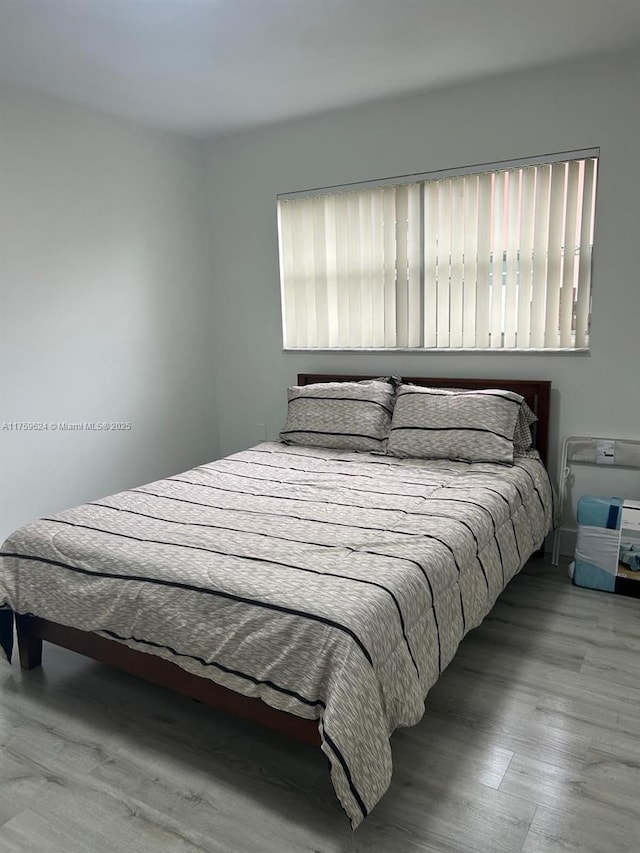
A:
[334,585]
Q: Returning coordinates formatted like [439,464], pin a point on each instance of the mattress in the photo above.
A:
[333,585]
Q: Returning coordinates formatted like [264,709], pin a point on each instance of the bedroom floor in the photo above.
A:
[531,742]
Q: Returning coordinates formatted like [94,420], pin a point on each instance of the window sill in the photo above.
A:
[581,351]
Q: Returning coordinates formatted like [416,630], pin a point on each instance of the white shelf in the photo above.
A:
[602,451]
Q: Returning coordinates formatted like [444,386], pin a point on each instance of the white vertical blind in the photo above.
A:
[342,264]
[554,254]
[444,262]
[497,253]
[540,255]
[512,240]
[378,305]
[483,284]
[333,274]
[525,280]
[430,264]
[365,267]
[414,265]
[389,229]
[318,235]
[569,256]
[587,216]
[470,260]
[402,268]
[456,276]
[491,260]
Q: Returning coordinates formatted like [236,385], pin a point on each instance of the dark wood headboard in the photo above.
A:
[536,392]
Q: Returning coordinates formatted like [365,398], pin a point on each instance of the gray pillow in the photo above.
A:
[522,439]
[343,415]
[439,423]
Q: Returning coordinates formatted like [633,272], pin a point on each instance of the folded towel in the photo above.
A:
[630,556]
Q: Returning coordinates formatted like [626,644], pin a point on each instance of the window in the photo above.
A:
[491,258]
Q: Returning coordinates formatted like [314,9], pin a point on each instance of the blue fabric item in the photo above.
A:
[614,513]
[597,512]
[592,577]
[630,556]
[596,561]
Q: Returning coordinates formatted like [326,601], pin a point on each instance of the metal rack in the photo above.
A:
[591,450]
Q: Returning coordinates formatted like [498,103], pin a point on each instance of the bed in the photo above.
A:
[317,591]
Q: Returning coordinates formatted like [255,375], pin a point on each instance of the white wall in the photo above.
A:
[567,107]
[104,306]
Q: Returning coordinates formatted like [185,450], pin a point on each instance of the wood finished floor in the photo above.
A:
[530,744]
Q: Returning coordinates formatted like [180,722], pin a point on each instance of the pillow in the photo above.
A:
[342,415]
[438,423]
[522,439]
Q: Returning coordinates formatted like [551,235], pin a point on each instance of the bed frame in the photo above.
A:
[32,630]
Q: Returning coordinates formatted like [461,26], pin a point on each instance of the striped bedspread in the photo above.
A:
[334,585]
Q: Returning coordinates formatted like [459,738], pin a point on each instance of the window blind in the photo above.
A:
[494,259]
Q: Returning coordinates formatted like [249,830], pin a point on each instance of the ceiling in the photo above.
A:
[211,67]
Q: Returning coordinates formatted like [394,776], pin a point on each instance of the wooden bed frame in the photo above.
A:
[32,630]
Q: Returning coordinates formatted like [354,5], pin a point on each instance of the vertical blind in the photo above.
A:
[494,259]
